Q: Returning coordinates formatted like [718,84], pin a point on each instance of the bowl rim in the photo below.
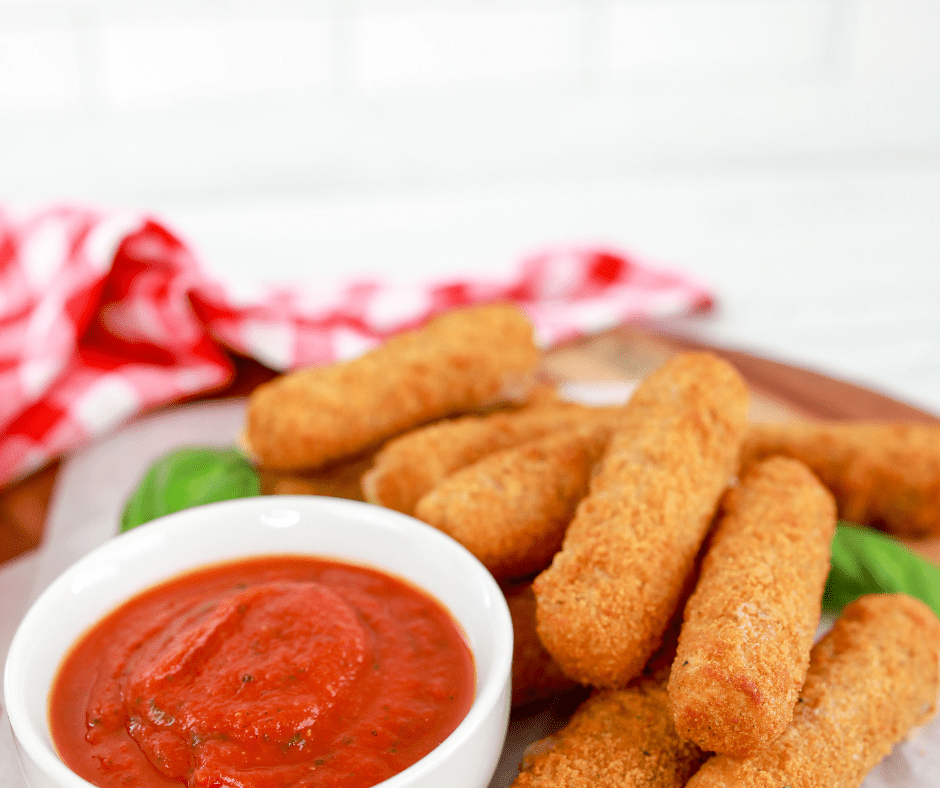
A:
[486,697]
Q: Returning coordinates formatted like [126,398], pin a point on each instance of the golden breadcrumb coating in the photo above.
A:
[343,478]
[535,675]
[511,508]
[749,626]
[607,597]
[458,362]
[871,679]
[881,474]
[410,466]
[616,739]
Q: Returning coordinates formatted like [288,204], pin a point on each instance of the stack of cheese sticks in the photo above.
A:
[666,553]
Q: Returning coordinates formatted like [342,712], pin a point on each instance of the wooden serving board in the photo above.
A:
[780,392]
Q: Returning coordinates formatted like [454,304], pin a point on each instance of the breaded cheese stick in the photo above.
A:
[410,466]
[749,625]
[607,597]
[511,508]
[342,478]
[871,679]
[881,474]
[535,675]
[458,362]
[616,739]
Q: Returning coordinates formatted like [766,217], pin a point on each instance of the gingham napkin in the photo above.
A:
[105,314]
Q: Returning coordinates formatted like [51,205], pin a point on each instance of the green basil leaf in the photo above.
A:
[866,561]
[189,477]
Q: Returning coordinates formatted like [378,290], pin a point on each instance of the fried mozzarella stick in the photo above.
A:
[749,625]
[458,362]
[535,675]
[410,466]
[607,597]
[616,739]
[881,474]
[871,679]
[511,508]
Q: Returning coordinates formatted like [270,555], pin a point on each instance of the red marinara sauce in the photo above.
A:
[266,673]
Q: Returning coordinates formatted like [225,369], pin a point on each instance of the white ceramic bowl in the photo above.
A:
[328,527]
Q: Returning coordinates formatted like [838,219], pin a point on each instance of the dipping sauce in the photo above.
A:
[267,673]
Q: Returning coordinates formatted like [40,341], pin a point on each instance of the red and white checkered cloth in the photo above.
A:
[105,314]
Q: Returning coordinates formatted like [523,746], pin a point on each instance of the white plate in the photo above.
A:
[93,485]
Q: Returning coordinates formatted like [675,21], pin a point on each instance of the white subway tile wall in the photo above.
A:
[472,47]
[40,69]
[123,100]
[200,61]
[899,38]
[716,39]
